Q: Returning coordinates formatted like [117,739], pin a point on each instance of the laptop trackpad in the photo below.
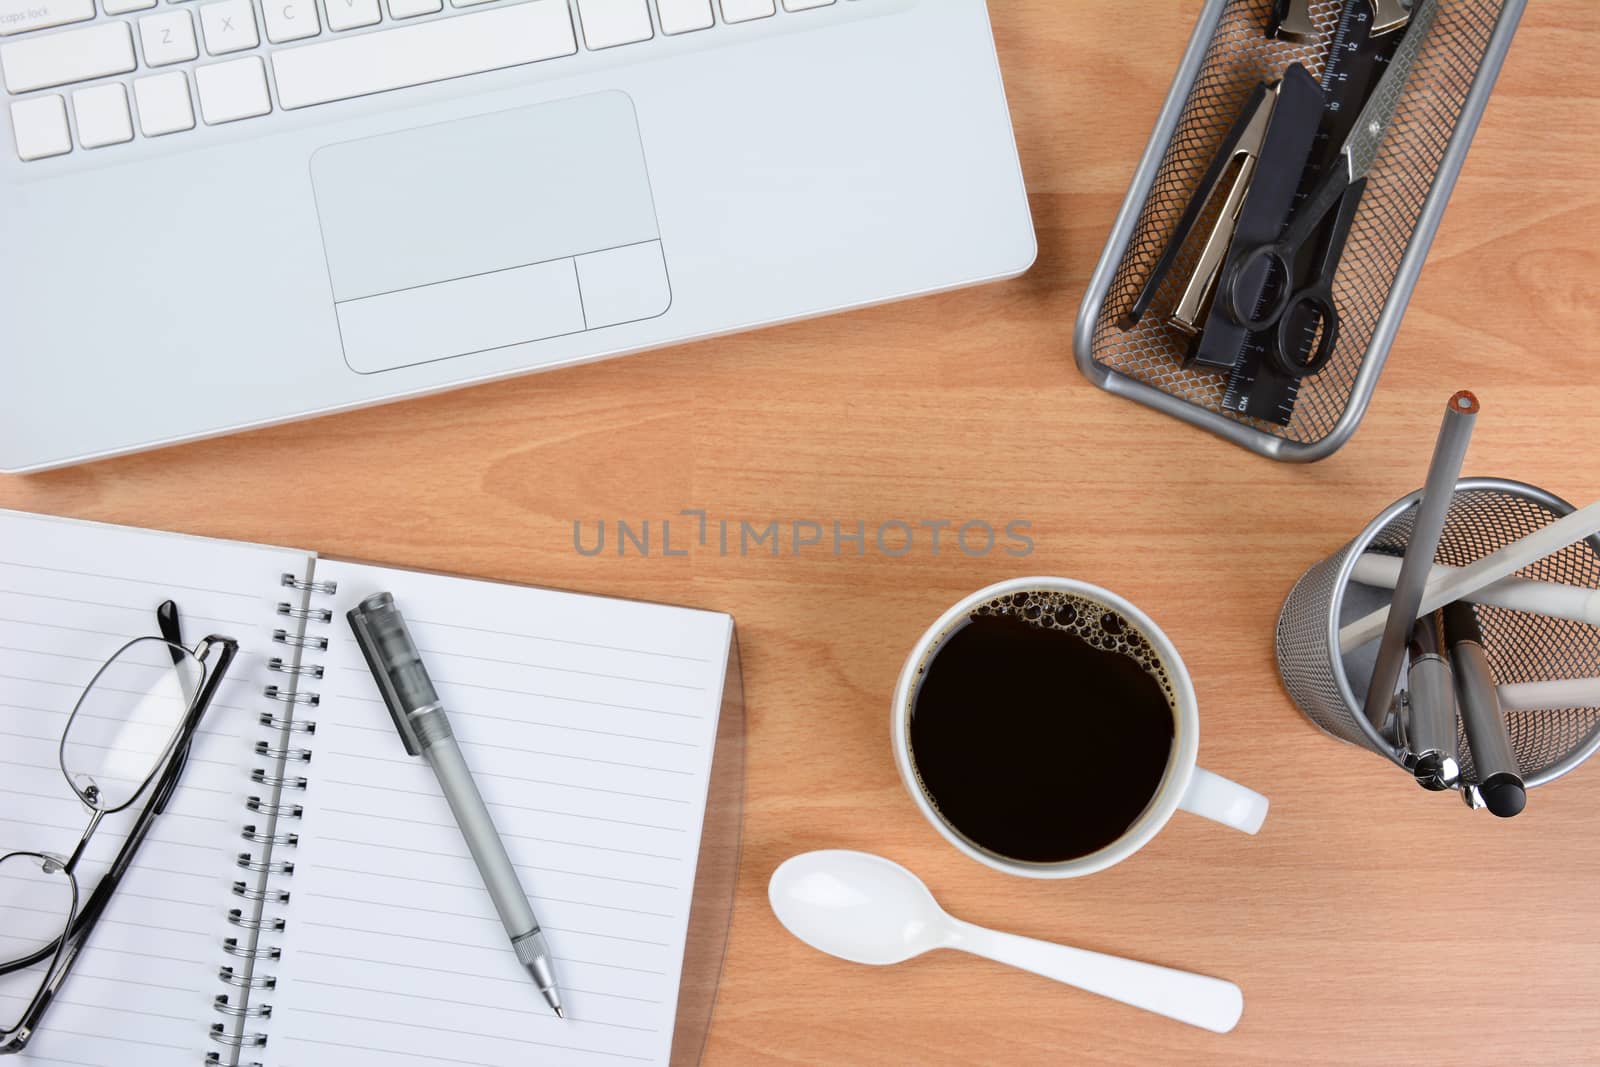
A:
[488,232]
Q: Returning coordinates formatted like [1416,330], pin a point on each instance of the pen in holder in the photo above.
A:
[1526,650]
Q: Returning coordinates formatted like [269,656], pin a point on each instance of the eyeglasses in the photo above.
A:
[127,737]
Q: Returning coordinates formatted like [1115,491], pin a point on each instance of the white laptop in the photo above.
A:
[222,214]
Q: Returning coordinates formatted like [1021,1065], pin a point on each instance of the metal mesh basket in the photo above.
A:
[1405,197]
[1486,515]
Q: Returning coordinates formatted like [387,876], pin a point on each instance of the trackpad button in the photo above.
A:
[476,314]
[488,232]
[623,284]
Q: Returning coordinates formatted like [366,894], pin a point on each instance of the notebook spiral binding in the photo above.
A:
[313,670]
[258,889]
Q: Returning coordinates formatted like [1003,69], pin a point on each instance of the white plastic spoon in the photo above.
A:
[867,909]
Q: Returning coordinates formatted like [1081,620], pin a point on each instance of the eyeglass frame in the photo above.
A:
[161,783]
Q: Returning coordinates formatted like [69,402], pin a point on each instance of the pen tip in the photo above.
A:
[560,1014]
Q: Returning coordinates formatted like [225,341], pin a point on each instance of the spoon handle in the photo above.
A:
[1195,999]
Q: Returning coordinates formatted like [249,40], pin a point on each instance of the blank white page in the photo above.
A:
[71,594]
[589,725]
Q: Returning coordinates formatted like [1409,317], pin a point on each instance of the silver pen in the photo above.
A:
[419,716]
[1428,733]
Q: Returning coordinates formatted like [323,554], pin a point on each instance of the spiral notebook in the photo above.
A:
[306,899]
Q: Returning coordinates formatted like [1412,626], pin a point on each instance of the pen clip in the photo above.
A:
[380,674]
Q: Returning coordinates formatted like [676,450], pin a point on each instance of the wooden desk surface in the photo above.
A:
[1369,922]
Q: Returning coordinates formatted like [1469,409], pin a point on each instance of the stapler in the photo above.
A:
[1240,149]
[1292,18]
[1266,151]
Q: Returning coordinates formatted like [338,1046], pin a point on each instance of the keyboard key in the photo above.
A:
[232,91]
[423,52]
[290,20]
[350,14]
[40,127]
[167,38]
[745,10]
[684,16]
[607,23]
[467,3]
[229,26]
[20,16]
[122,7]
[410,9]
[102,114]
[804,5]
[69,56]
[163,102]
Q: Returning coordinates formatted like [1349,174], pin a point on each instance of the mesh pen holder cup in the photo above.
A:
[1406,195]
[1486,514]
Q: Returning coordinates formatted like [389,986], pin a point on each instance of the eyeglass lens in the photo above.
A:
[37,899]
[126,721]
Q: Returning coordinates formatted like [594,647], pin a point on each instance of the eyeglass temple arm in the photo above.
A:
[170,626]
[227,648]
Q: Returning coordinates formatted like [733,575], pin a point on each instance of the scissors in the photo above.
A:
[1339,193]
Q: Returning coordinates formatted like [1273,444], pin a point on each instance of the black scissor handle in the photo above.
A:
[1317,297]
[1236,288]
[1243,286]
[1316,300]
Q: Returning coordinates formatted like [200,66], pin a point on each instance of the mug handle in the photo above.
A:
[1220,800]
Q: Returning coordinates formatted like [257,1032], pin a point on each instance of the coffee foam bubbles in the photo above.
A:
[1095,623]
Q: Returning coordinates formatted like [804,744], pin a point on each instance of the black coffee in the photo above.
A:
[1042,727]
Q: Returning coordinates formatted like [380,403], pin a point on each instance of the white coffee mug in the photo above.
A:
[1184,785]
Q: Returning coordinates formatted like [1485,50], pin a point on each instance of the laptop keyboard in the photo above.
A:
[95,74]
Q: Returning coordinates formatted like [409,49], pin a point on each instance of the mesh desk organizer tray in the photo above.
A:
[1411,180]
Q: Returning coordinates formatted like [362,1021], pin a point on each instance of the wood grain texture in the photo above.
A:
[1369,922]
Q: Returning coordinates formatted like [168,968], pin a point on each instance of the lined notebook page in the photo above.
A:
[589,725]
[71,594]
